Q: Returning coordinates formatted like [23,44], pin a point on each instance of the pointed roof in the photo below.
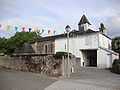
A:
[84,20]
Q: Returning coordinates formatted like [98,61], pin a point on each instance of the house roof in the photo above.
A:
[26,48]
[52,38]
[84,20]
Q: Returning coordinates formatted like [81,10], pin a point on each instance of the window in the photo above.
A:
[88,40]
[46,48]
[65,46]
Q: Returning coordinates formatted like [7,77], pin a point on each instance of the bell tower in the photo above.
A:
[83,25]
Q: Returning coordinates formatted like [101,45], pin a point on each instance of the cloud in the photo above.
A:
[113,26]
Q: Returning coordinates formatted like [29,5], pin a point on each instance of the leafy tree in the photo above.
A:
[15,42]
[3,48]
[116,44]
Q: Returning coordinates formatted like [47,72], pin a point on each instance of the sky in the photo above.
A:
[56,14]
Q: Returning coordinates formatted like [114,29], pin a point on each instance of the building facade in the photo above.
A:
[93,48]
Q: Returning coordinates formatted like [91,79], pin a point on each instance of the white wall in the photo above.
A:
[104,41]
[77,43]
[101,58]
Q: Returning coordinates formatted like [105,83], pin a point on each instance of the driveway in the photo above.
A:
[14,80]
[88,79]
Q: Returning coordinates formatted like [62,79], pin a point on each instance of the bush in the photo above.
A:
[116,66]
[62,53]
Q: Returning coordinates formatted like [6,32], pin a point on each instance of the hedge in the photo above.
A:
[116,66]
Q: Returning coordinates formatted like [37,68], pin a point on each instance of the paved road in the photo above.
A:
[84,79]
[88,79]
[14,80]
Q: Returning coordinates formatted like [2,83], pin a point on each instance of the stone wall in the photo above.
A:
[39,47]
[53,65]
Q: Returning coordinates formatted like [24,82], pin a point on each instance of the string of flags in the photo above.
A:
[8,27]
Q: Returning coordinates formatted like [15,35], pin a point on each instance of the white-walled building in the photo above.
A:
[93,48]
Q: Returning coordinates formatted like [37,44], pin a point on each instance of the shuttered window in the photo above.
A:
[88,40]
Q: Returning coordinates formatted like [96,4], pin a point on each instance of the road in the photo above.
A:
[14,80]
[88,79]
[84,79]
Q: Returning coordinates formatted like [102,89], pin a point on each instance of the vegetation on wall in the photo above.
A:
[116,66]
[116,44]
[14,43]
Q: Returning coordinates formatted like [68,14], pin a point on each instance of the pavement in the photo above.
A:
[88,79]
[15,80]
[84,79]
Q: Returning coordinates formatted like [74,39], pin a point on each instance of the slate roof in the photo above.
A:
[84,20]
[26,48]
[52,38]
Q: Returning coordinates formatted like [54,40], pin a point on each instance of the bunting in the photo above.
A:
[30,29]
[37,30]
[16,28]
[49,31]
[8,26]
[43,30]
[54,32]
[23,29]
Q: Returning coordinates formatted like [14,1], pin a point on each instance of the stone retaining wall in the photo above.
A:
[53,65]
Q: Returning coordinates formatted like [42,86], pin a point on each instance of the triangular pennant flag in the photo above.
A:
[8,26]
[30,29]
[49,31]
[37,30]
[43,31]
[16,28]
[23,29]
[54,32]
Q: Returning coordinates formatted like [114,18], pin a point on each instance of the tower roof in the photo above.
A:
[84,20]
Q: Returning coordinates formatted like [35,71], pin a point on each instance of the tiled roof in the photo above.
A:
[84,20]
[49,38]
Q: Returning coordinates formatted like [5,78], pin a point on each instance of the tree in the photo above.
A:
[3,48]
[15,42]
[116,44]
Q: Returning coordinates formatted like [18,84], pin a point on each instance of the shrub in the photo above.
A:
[116,66]
[62,53]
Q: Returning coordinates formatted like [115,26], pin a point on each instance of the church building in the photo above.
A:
[91,48]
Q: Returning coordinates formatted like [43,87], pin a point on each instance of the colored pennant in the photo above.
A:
[43,31]
[49,31]
[37,30]
[23,29]
[30,29]
[8,26]
[54,32]
[16,28]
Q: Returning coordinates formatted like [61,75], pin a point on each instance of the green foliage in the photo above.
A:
[62,53]
[14,43]
[116,44]
[116,66]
